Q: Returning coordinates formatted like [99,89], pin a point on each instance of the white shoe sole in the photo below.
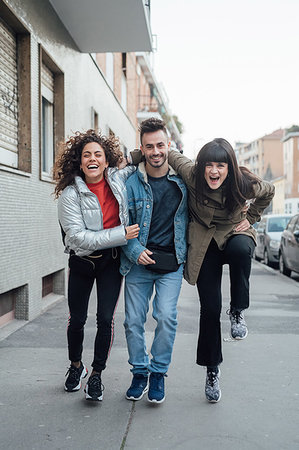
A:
[90,398]
[156,401]
[93,399]
[139,398]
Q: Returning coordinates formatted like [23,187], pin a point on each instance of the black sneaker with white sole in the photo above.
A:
[94,388]
[74,377]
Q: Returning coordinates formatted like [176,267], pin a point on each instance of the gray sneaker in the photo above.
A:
[212,388]
[239,328]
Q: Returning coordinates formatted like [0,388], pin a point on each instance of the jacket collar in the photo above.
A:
[80,185]
[143,173]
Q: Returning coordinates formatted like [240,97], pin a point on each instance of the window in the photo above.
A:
[47,91]
[94,119]
[123,92]
[277,223]
[47,285]
[7,306]
[110,69]
[8,98]
[14,305]
[54,283]
[52,113]
[123,99]
[15,103]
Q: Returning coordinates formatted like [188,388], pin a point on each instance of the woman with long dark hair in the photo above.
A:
[225,200]
[93,214]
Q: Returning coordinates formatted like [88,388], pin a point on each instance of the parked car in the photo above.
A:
[269,233]
[289,247]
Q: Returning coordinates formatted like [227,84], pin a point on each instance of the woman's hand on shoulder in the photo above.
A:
[132,231]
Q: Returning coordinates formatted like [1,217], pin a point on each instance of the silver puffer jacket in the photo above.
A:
[81,218]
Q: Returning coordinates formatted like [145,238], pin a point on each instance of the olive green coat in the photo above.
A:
[212,220]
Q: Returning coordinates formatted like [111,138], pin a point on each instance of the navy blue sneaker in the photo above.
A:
[138,388]
[156,393]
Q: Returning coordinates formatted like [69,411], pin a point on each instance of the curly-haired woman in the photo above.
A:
[93,214]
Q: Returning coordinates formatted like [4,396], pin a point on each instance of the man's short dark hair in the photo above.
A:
[151,125]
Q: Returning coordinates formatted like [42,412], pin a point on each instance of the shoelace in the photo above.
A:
[74,372]
[212,378]
[96,382]
[237,315]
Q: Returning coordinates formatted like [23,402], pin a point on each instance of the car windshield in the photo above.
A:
[277,223]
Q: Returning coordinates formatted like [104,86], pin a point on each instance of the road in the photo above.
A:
[259,408]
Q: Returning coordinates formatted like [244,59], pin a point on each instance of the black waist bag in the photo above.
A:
[165,262]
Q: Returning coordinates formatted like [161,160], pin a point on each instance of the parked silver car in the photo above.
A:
[289,247]
[269,233]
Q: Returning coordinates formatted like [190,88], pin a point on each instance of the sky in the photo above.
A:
[230,68]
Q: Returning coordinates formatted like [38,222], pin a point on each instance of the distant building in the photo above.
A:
[132,80]
[291,171]
[263,156]
[278,202]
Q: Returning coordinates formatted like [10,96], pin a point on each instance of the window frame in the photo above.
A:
[23,41]
[55,114]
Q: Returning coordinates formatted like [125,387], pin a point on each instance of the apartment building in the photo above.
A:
[52,85]
[291,171]
[132,79]
[263,156]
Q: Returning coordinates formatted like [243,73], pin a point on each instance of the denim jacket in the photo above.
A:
[140,200]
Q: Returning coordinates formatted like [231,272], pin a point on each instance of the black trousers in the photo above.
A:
[237,254]
[104,270]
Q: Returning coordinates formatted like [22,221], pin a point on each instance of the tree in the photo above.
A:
[293,129]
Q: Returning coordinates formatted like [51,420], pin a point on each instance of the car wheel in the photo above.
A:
[255,256]
[266,257]
[267,260]
[282,267]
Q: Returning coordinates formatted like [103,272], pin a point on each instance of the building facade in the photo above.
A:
[52,86]
[291,171]
[263,156]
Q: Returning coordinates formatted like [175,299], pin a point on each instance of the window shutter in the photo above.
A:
[8,97]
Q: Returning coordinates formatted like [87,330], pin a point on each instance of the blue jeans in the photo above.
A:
[139,287]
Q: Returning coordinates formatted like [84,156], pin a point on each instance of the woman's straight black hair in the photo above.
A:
[239,182]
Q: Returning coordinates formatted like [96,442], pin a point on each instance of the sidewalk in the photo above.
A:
[259,408]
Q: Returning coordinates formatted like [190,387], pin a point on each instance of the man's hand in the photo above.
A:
[243,225]
[132,231]
[144,258]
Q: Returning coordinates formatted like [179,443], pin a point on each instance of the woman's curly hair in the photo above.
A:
[67,164]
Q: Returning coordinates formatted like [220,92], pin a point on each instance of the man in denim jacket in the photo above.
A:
[157,200]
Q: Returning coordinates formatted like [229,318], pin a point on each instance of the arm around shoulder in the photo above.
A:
[264,193]
[181,164]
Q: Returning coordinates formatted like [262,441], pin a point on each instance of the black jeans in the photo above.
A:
[83,271]
[237,254]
